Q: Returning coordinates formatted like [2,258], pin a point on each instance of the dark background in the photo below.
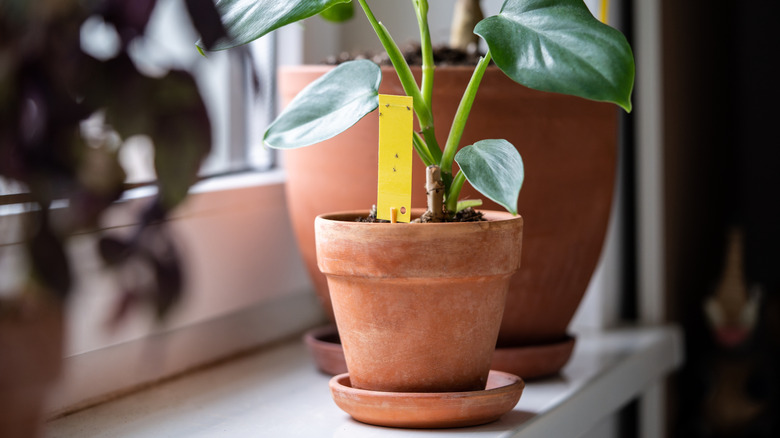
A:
[722,173]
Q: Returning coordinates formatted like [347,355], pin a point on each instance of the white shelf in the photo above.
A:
[278,393]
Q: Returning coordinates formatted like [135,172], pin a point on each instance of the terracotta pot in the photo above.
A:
[418,306]
[569,147]
[30,362]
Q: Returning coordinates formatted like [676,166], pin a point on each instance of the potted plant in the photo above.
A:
[570,140]
[63,117]
[552,46]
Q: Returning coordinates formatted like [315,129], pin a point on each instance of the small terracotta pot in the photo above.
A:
[418,306]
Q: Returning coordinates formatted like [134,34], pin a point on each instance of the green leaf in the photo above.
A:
[495,169]
[327,106]
[466,203]
[181,134]
[339,13]
[248,20]
[558,46]
[169,110]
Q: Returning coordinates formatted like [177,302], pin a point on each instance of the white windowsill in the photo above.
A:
[277,392]
[245,286]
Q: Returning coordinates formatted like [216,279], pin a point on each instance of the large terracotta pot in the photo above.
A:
[31,342]
[569,147]
[418,306]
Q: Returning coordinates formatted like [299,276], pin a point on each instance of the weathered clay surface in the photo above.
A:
[418,306]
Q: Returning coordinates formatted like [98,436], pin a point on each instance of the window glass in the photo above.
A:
[231,89]
[236,86]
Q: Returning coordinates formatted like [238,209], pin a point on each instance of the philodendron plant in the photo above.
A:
[548,45]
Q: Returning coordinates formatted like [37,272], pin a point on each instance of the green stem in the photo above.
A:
[451,203]
[400,65]
[462,114]
[422,149]
[433,145]
[421,7]
[421,106]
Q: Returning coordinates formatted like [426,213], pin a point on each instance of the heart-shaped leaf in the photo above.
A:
[327,106]
[558,46]
[248,20]
[495,169]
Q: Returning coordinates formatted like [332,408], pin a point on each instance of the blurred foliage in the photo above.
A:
[48,87]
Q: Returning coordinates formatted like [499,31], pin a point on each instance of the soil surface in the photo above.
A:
[442,55]
[465,215]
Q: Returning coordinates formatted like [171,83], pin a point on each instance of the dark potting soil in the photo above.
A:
[442,55]
[465,215]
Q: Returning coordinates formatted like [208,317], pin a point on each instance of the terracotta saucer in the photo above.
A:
[534,361]
[429,409]
[325,347]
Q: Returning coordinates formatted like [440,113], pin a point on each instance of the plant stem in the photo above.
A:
[433,145]
[466,16]
[451,204]
[421,10]
[434,188]
[421,7]
[421,106]
[462,114]
[422,149]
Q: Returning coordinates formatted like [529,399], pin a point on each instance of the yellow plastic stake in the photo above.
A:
[394,189]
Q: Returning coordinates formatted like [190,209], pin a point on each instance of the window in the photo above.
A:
[235,85]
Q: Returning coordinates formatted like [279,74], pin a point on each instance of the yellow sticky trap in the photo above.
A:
[395,157]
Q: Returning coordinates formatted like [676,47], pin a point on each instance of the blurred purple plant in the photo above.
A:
[48,87]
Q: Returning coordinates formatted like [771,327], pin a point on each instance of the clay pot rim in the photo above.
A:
[507,383]
[349,216]
[338,237]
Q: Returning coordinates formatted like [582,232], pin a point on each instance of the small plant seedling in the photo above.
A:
[548,45]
